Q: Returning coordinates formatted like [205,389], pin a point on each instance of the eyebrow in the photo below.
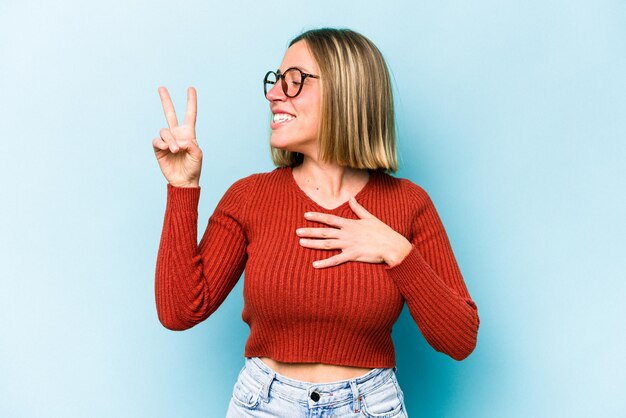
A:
[304,70]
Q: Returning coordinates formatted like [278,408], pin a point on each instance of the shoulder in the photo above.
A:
[253,179]
[258,185]
[274,177]
[246,188]
[404,187]
[232,210]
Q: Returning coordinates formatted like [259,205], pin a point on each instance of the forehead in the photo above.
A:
[298,55]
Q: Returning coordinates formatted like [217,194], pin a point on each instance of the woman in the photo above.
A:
[331,244]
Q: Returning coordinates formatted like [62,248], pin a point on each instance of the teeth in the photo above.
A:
[282,117]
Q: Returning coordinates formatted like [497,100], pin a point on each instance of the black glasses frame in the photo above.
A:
[281,77]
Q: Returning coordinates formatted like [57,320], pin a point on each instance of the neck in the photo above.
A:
[332,180]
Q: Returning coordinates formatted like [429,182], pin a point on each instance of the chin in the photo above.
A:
[289,143]
[278,145]
[283,145]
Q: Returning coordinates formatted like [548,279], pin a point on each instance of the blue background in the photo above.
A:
[512,115]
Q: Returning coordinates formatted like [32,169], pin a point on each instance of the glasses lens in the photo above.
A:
[293,82]
[270,80]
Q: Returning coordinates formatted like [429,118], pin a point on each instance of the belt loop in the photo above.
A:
[265,386]
[356,398]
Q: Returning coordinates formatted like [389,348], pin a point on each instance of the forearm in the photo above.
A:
[193,280]
[179,289]
[446,316]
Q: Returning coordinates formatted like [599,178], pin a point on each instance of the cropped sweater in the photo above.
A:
[339,315]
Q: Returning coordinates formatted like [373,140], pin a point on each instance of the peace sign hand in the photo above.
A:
[177,150]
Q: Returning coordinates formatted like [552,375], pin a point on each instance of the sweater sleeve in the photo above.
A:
[193,280]
[433,287]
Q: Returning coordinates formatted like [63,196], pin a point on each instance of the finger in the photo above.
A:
[168,108]
[169,139]
[321,244]
[178,145]
[159,144]
[192,100]
[332,261]
[326,218]
[318,232]
[359,210]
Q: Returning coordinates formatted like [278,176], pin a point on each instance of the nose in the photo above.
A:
[276,93]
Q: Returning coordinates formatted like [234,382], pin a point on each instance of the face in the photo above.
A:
[295,120]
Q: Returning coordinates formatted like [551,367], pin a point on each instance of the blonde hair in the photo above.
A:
[357,125]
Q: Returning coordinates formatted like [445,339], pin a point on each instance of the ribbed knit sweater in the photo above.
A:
[296,313]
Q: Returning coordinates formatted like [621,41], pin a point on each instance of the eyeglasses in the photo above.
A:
[291,81]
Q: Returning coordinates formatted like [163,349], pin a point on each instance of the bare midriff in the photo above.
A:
[314,372]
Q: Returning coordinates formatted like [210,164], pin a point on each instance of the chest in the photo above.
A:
[279,272]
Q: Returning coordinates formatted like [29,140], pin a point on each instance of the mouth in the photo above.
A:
[279,119]
[282,117]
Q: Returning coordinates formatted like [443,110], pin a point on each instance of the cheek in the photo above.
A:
[312,125]
[314,115]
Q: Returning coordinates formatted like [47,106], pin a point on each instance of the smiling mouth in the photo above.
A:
[282,117]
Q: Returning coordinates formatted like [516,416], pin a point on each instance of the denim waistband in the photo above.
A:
[303,392]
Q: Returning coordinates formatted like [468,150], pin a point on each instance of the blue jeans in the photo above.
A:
[261,392]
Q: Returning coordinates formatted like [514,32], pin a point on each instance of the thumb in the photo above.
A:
[359,210]
[192,148]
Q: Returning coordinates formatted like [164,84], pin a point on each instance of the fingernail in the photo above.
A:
[299,231]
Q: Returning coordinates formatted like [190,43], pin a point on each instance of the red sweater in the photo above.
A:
[296,313]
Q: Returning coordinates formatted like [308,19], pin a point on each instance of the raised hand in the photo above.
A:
[177,150]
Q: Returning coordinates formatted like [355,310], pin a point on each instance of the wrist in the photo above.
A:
[187,184]
[398,253]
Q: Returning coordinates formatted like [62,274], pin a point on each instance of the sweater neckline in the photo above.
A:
[306,198]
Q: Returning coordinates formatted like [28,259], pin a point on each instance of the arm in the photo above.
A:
[193,280]
[433,287]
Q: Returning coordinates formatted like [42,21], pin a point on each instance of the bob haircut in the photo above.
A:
[357,124]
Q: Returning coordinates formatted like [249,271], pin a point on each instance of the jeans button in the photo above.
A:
[315,396]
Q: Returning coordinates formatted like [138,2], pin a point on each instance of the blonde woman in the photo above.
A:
[332,244]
